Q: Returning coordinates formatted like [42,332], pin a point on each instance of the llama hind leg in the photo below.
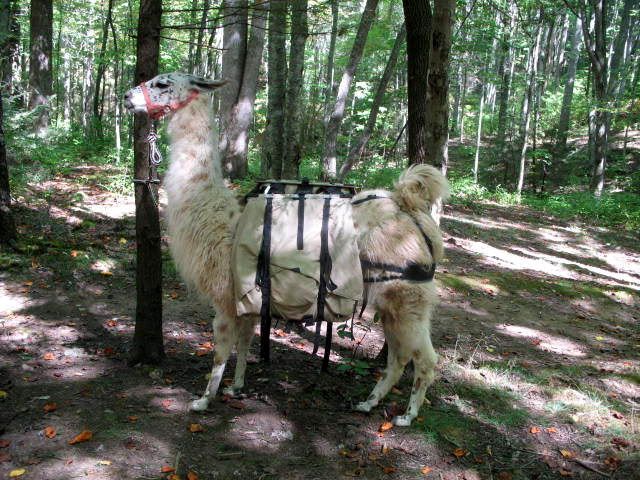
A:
[390,376]
[245,336]
[424,363]
[225,335]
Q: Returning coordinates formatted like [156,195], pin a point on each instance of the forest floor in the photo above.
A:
[538,334]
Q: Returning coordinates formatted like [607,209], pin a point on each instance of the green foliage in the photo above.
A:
[357,367]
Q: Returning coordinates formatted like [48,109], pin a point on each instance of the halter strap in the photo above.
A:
[156,111]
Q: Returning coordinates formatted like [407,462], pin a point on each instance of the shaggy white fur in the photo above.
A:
[202,214]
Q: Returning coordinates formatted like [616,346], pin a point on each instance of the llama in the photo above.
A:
[394,228]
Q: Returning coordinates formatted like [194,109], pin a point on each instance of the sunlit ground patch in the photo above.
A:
[543,340]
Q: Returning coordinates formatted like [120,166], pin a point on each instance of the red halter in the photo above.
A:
[156,111]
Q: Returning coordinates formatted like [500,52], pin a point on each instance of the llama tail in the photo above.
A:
[419,187]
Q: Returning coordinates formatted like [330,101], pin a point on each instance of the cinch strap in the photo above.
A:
[156,111]
[263,280]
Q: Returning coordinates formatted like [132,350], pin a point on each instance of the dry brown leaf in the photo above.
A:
[201,352]
[4,443]
[132,418]
[174,476]
[83,436]
[620,442]
[112,323]
[174,295]
[612,462]
[460,452]
[50,407]
[426,470]
[49,356]
[534,430]
[567,453]
[566,473]
[552,430]
[617,415]
[386,426]
[237,404]
[505,476]
[74,253]
[192,476]
[388,470]
[195,427]
[280,333]
[49,432]
[167,403]
[167,469]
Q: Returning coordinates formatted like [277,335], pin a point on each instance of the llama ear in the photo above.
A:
[207,84]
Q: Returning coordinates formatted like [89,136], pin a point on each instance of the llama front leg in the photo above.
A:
[225,336]
[245,336]
[424,364]
[389,378]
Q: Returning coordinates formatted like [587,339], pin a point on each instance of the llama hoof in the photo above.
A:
[363,407]
[229,391]
[402,420]
[199,405]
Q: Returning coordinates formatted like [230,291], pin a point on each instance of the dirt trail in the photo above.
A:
[539,374]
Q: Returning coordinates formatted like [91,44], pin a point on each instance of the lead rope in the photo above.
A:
[155,158]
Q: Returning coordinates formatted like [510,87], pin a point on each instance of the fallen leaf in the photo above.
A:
[505,476]
[106,273]
[132,418]
[50,407]
[17,472]
[49,432]
[28,283]
[192,476]
[389,470]
[111,323]
[612,462]
[4,443]
[122,240]
[535,430]
[105,463]
[74,253]
[174,477]
[49,356]
[386,426]
[426,470]
[201,352]
[536,342]
[568,453]
[167,469]
[552,430]
[599,338]
[174,295]
[3,394]
[617,415]
[566,473]
[396,391]
[4,457]
[83,436]
[195,427]
[459,452]
[280,333]
[167,403]
[620,442]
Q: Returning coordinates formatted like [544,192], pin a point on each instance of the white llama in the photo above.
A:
[394,228]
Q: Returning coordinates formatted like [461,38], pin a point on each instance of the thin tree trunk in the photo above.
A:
[437,128]
[476,160]
[526,109]
[463,101]
[40,68]
[329,159]
[456,102]
[356,152]
[276,79]
[418,19]
[235,145]
[567,97]
[328,92]
[102,66]
[504,73]
[199,64]
[293,119]
[148,344]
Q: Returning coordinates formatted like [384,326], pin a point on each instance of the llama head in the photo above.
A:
[167,93]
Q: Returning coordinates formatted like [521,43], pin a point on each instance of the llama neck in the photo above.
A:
[194,149]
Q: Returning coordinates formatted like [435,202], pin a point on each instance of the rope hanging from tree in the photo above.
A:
[155,158]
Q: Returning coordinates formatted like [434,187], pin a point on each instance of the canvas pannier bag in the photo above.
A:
[295,255]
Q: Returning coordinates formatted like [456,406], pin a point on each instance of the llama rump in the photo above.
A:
[399,243]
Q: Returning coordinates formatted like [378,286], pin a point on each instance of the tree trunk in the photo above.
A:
[40,74]
[10,31]
[356,152]
[329,159]
[504,73]
[102,66]
[199,64]
[7,224]
[234,145]
[329,73]
[526,109]
[293,119]
[417,17]
[274,142]
[453,131]
[463,101]
[437,128]
[476,160]
[148,344]
[567,97]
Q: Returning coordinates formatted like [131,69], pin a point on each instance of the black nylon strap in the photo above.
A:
[263,280]
[300,242]
[325,274]
[327,347]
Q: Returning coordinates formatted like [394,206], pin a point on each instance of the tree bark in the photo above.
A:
[328,92]
[357,151]
[417,17]
[10,31]
[7,223]
[148,344]
[102,66]
[437,128]
[41,49]
[567,97]
[234,144]
[504,73]
[293,119]
[273,151]
[329,159]
[476,159]
[526,109]
[199,64]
